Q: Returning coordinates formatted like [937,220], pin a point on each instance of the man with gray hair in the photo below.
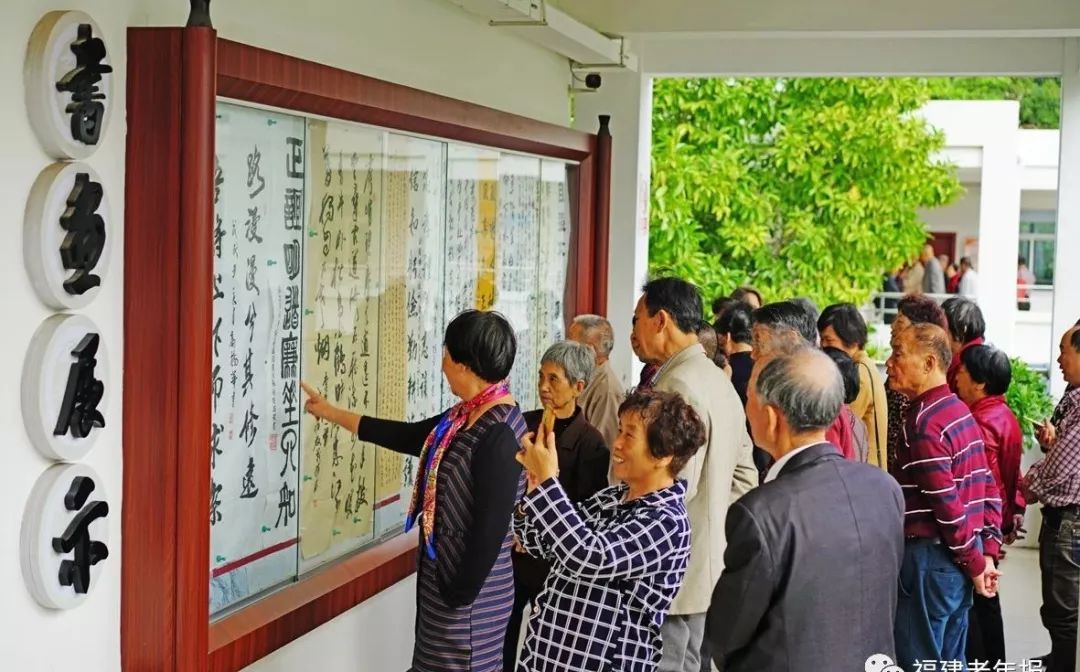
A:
[665,325]
[786,325]
[810,571]
[601,398]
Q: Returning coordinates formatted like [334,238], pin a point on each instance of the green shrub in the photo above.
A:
[1029,399]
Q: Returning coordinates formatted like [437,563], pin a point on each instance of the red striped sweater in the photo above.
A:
[949,492]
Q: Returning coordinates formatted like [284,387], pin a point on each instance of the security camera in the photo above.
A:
[593,80]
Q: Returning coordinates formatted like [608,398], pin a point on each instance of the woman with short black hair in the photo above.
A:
[619,558]
[982,380]
[846,326]
[720,305]
[735,336]
[842,326]
[749,295]
[463,497]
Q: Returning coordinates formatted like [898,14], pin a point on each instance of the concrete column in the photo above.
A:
[1066,268]
[999,226]
[627,97]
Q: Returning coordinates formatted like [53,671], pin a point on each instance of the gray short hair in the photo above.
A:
[965,318]
[788,316]
[806,399]
[598,331]
[576,359]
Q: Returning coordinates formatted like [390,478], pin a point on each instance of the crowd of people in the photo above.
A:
[930,274]
[762,499]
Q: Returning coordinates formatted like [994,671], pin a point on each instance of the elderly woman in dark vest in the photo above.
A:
[565,371]
[463,499]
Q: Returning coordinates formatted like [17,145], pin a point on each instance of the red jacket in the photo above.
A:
[954,366]
[842,435]
[1003,444]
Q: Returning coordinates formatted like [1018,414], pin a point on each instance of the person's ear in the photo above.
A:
[579,386]
[773,421]
[661,320]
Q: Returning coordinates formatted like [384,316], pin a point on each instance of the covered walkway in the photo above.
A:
[457,55]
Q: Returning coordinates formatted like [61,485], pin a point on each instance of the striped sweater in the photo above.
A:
[949,492]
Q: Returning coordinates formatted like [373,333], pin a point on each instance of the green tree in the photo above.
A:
[798,186]
[1040,97]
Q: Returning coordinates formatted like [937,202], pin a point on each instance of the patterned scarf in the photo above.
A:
[422,503]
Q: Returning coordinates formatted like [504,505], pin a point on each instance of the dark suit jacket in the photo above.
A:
[811,569]
[583,471]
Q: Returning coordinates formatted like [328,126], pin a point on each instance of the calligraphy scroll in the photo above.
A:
[343,347]
[340,253]
[256,405]
[410,381]
[554,248]
[517,276]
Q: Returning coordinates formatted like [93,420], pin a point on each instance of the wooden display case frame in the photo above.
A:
[175,78]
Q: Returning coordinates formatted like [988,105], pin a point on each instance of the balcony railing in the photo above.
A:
[1036,309]
[1031,339]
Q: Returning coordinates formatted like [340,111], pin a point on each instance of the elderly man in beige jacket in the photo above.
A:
[605,391]
[665,326]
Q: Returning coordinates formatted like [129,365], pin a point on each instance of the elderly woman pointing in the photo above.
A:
[618,559]
[466,486]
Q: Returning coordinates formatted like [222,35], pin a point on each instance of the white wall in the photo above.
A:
[375,637]
[1066,270]
[960,217]
[1039,200]
[30,633]
[991,126]
[427,44]
[771,17]
[1039,151]
[627,97]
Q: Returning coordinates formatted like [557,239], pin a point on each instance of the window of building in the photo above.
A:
[1037,234]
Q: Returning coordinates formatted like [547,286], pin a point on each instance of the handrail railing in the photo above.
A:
[882,305]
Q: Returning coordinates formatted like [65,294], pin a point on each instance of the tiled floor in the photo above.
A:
[1020,599]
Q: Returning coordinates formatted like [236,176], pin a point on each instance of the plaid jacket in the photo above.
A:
[616,567]
[1055,479]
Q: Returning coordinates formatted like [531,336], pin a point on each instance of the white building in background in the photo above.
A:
[1008,210]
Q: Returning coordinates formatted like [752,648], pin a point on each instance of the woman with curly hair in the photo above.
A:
[618,559]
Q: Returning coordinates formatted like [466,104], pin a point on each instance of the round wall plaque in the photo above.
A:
[65,387]
[65,535]
[66,235]
[68,82]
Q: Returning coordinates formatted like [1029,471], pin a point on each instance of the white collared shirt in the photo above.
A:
[777,466]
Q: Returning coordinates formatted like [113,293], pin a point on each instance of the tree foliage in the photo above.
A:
[1040,97]
[797,186]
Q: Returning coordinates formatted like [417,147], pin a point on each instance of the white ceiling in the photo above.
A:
[906,18]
